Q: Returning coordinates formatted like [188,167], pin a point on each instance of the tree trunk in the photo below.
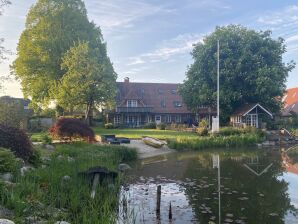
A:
[87,113]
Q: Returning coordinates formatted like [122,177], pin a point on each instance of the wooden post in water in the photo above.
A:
[170,212]
[158,199]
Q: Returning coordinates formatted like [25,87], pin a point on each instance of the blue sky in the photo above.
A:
[151,40]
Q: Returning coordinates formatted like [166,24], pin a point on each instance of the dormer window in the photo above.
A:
[160,91]
[132,103]
[177,104]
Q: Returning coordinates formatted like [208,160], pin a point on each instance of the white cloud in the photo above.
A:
[283,23]
[121,13]
[180,45]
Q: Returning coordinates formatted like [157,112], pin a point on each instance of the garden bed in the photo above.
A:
[54,191]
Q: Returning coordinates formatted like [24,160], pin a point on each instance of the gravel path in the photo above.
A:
[146,151]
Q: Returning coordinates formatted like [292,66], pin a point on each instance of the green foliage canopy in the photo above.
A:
[53,27]
[89,79]
[251,70]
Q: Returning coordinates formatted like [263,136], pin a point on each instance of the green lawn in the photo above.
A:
[138,133]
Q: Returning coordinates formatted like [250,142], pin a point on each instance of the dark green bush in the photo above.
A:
[151,125]
[109,126]
[35,158]
[202,131]
[17,141]
[8,161]
[161,126]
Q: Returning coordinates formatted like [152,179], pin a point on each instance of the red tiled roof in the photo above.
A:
[290,101]
[152,95]
[290,97]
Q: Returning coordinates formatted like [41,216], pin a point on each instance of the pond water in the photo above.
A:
[256,186]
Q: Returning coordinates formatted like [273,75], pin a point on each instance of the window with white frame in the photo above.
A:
[238,119]
[132,103]
[168,118]
[177,104]
[178,118]
[117,120]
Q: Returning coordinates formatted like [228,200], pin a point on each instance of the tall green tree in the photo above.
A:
[251,70]
[52,28]
[89,80]
[12,113]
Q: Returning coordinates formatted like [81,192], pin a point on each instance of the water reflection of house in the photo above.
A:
[253,115]
[288,164]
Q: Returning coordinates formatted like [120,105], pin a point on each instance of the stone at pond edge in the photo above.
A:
[49,147]
[70,159]
[25,169]
[6,221]
[123,166]
[62,222]
[66,178]
[7,177]
[5,213]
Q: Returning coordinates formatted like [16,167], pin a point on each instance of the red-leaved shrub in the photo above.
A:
[17,141]
[70,128]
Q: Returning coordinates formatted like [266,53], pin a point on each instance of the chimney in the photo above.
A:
[126,80]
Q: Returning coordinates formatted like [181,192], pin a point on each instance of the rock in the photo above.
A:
[6,221]
[66,178]
[5,213]
[21,161]
[60,157]
[8,184]
[123,167]
[49,147]
[7,177]
[70,159]
[25,169]
[62,222]
[31,219]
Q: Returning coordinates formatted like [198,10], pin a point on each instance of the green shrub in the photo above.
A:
[150,125]
[109,126]
[35,158]
[202,131]
[46,139]
[161,126]
[227,131]
[8,161]
[203,123]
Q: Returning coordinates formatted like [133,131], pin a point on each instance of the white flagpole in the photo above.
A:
[218,81]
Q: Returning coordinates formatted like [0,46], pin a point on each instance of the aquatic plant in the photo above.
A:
[214,142]
[46,192]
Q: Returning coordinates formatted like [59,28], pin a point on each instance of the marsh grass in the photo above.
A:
[231,141]
[43,192]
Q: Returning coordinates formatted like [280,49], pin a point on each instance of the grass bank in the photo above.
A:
[137,133]
[243,140]
[48,194]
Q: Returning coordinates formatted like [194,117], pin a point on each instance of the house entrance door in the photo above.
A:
[157,119]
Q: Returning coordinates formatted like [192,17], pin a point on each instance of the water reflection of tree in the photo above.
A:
[252,198]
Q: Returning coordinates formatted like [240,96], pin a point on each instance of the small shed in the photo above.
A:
[250,115]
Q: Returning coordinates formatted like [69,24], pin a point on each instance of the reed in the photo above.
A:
[200,143]
[44,192]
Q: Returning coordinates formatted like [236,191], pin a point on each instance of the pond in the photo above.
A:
[256,186]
